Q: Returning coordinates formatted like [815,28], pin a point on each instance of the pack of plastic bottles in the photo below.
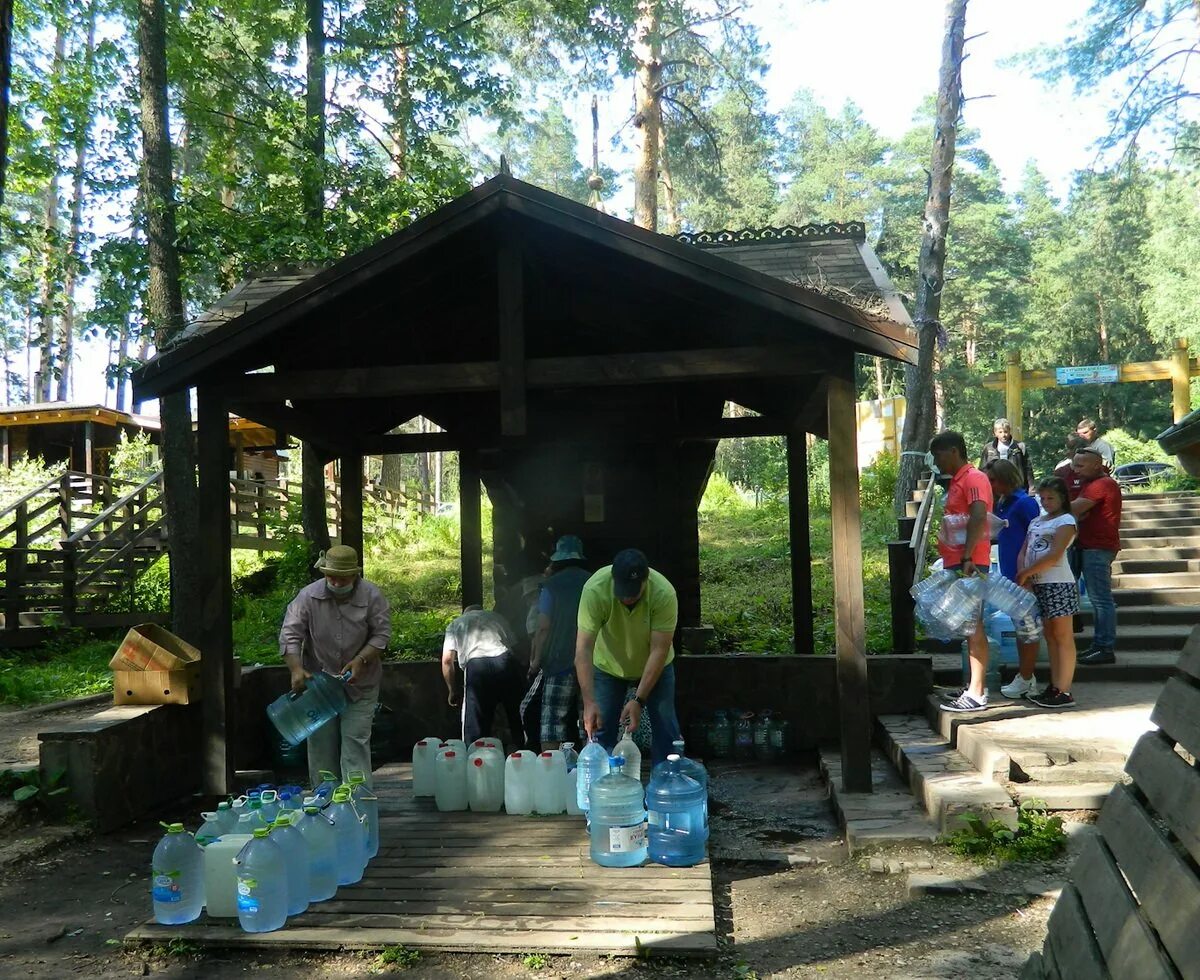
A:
[949,605]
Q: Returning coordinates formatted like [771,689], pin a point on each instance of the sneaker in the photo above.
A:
[952,693]
[1052,697]
[1096,656]
[966,702]
[1018,687]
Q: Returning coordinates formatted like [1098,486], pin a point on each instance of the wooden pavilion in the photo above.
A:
[579,364]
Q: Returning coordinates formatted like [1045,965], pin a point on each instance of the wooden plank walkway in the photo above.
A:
[487,883]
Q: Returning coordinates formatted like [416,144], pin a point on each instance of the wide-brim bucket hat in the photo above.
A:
[568,548]
[341,559]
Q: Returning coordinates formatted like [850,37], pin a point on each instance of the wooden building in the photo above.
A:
[79,437]
[579,365]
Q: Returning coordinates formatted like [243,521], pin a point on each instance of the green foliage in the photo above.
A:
[535,961]
[1038,836]
[742,971]
[398,956]
[29,791]
[73,665]
[24,476]
[720,495]
[1130,449]
[877,482]
[133,459]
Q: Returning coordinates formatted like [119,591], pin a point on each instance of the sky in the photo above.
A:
[884,56]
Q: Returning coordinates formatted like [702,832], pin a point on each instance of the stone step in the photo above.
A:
[1074,772]
[1156,509]
[1169,581]
[1131,665]
[1172,535]
[1137,521]
[1154,566]
[1160,552]
[1132,616]
[1063,796]
[944,780]
[1142,638]
[1142,596]
[888,816]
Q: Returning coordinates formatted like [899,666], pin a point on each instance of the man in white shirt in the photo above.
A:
[481,644]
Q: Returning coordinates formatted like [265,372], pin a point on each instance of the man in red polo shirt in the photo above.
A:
[970,495]
[1098,511]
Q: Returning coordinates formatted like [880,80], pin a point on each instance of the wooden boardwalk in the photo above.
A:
[471,882]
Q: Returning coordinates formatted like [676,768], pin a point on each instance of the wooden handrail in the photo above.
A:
[920,533]
[109,512]
[29,496]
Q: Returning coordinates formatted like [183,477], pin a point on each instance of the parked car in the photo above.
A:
[1139,474]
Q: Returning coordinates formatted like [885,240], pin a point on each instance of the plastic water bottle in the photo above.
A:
[270,806]
[226,818]
[321,840]
[351,840]
[262,884]
[451,789]
[296,716]
[689,767]
[485,782]
[295,858]
[617,818]
[518,783]
[547,783]
[1002,637]
[424,755]
[762,736]
[288,803]
[676,809]
[367,803]
[570,772]
[323,791]
[480,744]
[251,819]
[220,875]
[593,763]
[177,877]
[457,744]
[743,736]
[720,740]
[209,831]
[627,749]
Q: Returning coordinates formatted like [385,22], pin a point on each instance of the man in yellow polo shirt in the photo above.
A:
[627,617]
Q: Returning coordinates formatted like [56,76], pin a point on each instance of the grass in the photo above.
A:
[745,593]
[1038,836]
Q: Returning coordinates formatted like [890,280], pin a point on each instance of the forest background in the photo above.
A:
[423,97]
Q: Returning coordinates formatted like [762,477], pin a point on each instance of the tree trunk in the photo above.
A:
[401,95]
[647,119]
[314,108]
[918,379]
[313,519]
[879,379]
[122,352]
[6,29]
[66,337]
[50,271]
[164,310]
[423,467]
[674,221]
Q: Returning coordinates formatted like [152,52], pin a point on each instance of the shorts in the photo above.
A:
[560,707]
[1057,599]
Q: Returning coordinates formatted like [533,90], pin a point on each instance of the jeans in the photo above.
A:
[488,683]
[610,694]
[343,744]
[1097,574]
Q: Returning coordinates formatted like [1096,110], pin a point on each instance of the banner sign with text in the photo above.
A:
[1091,374]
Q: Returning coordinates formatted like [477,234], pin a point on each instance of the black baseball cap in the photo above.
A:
[629,570]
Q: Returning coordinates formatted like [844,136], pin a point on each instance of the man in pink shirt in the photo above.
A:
[969,496]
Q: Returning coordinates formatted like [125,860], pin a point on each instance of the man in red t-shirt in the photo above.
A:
[1098,510]
[970,496]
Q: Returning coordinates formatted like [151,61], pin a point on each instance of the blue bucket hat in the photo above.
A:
[568,548]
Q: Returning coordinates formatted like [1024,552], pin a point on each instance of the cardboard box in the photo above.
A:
[157,686]
[151,648]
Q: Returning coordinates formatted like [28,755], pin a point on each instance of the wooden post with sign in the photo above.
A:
[1181,387]
[1012,392]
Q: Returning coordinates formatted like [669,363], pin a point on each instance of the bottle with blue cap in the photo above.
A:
[617,818]
[677,814]
[177,877]
[262,884]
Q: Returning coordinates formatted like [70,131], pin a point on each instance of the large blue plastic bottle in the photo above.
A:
[295,855]
[690,768]
[593,764]
[367,804]
[321,839]
[677,817]
[296,716]
[351,837]
[177,877]
[617,826]
[262,884]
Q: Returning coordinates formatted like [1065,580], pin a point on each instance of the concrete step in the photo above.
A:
[1169,581]
[1154,566]
[944,780]
[1141,596]
[1142,637]
[1137,521]
[1159,552]
[1172,535]
[1063,796]
[1131,665]
[1133,616]
[1074,772]
[888,816]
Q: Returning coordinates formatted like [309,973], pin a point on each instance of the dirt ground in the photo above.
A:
[64,914]
[19,728]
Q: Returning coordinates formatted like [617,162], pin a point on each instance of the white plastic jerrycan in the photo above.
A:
[220,875]
[485,782]
[424,756]
[518,783]
[547,782]
[451,771]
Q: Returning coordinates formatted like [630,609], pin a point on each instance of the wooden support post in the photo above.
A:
[854,707]
[1012,391]
[216,636]
[15,559]
[5,457]
[801,549]
[239,459]
[471,528]
[89,451]
[352,503]
[901,569]
[511,311]
[1181,387]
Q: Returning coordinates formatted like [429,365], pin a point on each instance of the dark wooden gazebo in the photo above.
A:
[579,364]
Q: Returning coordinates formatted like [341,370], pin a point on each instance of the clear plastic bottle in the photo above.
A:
[367,803]
[262,884]
[743,736]
[321,839]
[677,814]
[617,824]
[210,830]
[177,877]
[323,791]
[226,817]
[762,736]
[269,801]
[593,763]
[721,736]
[295,856]
[627,749]
[570,773]
[351,840]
